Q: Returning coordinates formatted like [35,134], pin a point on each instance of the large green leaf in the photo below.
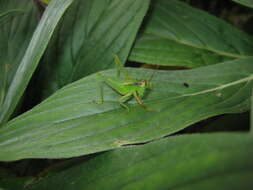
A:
[179,35]
[90,34]
[70,123]
[17,24]
[248,3]
[207,161]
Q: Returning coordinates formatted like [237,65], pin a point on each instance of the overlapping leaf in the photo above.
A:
[207,161]
[152,49]
[70,123]
[90,34]
[179,35]
[18,20]
[23,70]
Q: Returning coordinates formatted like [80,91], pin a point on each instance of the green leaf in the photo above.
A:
[9,181]
[91,33]
[176,34]
[17,23]
[70,123]
[24,70]
[4,14]
[248,3]
[14,183]
[153,49]
[206,161]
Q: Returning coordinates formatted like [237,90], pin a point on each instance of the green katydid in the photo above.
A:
[127,88]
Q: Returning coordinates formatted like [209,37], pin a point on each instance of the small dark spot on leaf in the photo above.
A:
[186,84]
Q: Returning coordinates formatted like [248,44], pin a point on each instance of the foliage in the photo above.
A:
[202,76]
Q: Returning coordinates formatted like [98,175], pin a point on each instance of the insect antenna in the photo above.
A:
[152,75]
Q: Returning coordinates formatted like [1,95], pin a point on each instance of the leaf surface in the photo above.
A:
[248,3]
[18,20]
[14,183]
[90,34]
[206,161]
[177,34]
[31,58]
[152,49]
[70,123]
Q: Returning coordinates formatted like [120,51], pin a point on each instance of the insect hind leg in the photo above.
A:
[139,101]
[101,101]
[120,67]
[123,99]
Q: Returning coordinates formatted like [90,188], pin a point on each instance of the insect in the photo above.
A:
[128,88]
